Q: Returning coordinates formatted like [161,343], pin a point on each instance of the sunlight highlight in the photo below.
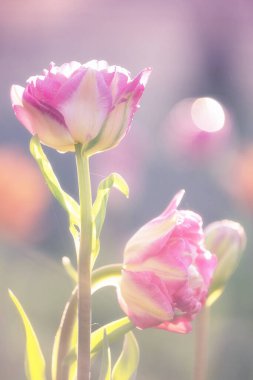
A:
[208,115]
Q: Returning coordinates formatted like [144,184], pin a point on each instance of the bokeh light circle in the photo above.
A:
[208,114]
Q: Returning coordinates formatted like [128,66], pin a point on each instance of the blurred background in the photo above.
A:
[193,131]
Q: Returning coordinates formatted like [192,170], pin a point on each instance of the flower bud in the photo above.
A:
[227,240]
[167,271]
[92,104]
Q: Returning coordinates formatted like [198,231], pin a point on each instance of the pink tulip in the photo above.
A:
[92,104]
[167,271]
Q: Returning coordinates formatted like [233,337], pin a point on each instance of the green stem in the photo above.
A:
[108,275]
[201,345]
[84,272]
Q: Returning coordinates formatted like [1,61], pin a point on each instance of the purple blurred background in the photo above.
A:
[196,49]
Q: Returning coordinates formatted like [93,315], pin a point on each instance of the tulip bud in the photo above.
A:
[92,104]
[227,240]
[167,271]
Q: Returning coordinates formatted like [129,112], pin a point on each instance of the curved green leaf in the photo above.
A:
[65,200]
[113,330]
[64,364]
[108,275]
[127,363]
[64,351]
[34,360]
[100,204]
[106,367]
[114,180]
[70,270]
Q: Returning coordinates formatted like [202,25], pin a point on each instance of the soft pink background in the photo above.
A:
[196,48]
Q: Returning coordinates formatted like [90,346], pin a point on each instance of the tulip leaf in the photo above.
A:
[64,349]
[108,275]
[105,371]
[114,180]
[65,200]
[100,204]
[126,366]
[34,360]
[114,330]
[70,270]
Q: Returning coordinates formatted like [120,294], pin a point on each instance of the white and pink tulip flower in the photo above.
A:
[167,271]
[92,104]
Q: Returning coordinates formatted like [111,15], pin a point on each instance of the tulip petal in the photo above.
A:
[17,95]
[206,264]
[125,98]
[17,103]
[68,88]
[179,325]
[86,109]
[113,130]
[174,203]
[144,298]
[40,122]
[151,238]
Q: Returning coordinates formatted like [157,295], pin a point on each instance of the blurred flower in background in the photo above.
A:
[197,129]
[23,195]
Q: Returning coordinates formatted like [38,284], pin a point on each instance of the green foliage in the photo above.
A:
[64,358]
[64,350]
[127,363]
[100,204]
[113,330]
[106,369]
[65,200]
[34,360]
[114,180]
[108,275]
[70,270]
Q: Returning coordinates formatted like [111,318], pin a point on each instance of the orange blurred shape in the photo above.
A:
[23,195]
[239,181]
[197,128]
